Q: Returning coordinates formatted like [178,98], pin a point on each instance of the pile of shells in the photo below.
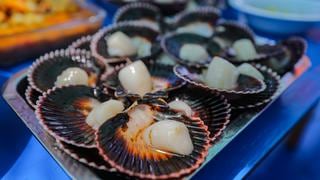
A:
[149,95]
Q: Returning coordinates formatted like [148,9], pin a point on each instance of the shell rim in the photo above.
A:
[82,160]
[27,94]
[84,39]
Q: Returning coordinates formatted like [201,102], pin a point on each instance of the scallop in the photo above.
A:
[142,45]
[244,49]
[249,70]
[181,106]
[135,78]
[221,74]
[200,28]
[103,112]
[193,52]
[119,44]
[170,136]
[72,76]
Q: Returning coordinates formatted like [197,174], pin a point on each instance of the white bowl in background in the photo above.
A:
[282,17]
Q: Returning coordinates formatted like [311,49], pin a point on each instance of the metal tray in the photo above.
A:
[13,93]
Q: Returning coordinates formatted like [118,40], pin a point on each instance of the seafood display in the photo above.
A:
[148,96]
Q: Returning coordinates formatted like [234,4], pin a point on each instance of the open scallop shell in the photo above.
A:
[82,43]
[209,15]
[293,50]
[63,111]
[162,75]
[211,107]
[134,157]
[45,70]
[32,96]
[227,32]
[173,42]
[272,81]
[139,11]
[87,156]
[99,46]
[264,53]
[246,85]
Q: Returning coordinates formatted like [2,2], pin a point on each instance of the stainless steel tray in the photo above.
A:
[13,93]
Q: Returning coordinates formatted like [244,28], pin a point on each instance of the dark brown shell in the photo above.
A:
[211,107]
[162,75]
[230,31]
[205,14]
[171,8]
[272,81]
[137,11]
[32,96]
[293,49]
[246,85]
[82,43]
[63,111]
[173,42]
[123,153]
[44,71]
[99,46]
[87,156]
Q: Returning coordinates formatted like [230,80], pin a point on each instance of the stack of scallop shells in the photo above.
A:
[150,94]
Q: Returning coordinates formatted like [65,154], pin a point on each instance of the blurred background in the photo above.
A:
[21,155]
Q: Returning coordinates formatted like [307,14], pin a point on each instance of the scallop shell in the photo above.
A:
[162,75]
[211,107]
[138,11]
[32,96]
[246,85]
[82,43]
[293,50]
[45,70]
[205,14]
[264,53]
[63,111]
[272,81]
[173,42]
[87,156]
[135,158]
[99,45]
[230,31]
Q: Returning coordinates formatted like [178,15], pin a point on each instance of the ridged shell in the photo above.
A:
[99,46]
[173,42]
[161,74]
[246,85]
[138,11]
[32,96]
[272,81]
[209,15]
[211,107]
[63,111]
[82,43]
[230,31]
[135,158]
[44,71]
[87,156]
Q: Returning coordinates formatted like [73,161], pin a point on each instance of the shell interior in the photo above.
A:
[63,112]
